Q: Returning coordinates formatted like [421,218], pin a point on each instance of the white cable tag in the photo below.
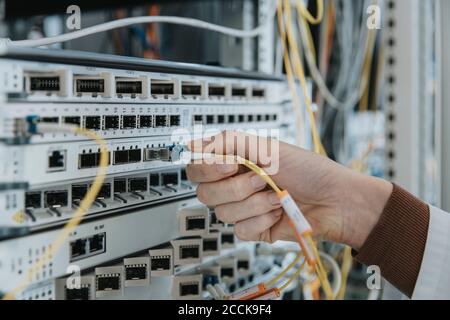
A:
[293,211]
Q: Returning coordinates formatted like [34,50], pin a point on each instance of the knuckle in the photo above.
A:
[221,214]
[237,188]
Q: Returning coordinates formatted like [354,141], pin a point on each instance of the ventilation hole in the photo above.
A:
[391,61]
[391,136]
[391,155]
[391,117]
[391,42]
[391,23]
[391,98]
[391,79]
[391,174]
[391,5]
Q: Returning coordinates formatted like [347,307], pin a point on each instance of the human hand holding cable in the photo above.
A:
[341,205]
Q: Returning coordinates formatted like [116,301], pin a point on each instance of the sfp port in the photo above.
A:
[210,119]
[189,289]
[195,223]
[259,118]
[132,87]
[49,120]
[160,263]
[241,118]
[92,122]
[121,157]
[227,272]
[154,180]
[216,91]
[108,283]
[164,154]
[79,191]
[105,191]
[33,200]
[250,118]
[220,119]
[258,93]
[135,272]
[189,252]
[210,245]
[111,122]
[174,120]
[162,88]
[46,82]
[88,160]
[56,199]
[198,119]
[145,121]
[120,186]
[137,185]
[191,89]
[134,155]
[169,179]
[92,85]
[227,239]
[243,265]
[160,121]
[72,120]
[238,92]
[128,122]
[81,293]
[231,118]
[151,154]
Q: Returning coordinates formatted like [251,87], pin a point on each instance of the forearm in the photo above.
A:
[397,242]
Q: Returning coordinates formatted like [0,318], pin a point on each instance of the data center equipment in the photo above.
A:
[146,236]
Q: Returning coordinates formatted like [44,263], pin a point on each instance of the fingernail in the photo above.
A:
[226,168]
[273,199]
[257,182]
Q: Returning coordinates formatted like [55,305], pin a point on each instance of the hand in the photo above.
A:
[341,205]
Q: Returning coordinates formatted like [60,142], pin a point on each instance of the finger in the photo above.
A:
[258,228]
[233,189]
[254,148]
[210,173]
[255,205]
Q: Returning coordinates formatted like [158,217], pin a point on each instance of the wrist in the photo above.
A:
[364,203]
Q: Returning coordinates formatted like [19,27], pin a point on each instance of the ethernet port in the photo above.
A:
[77,248]
[72,120]
[120,186]
[188,289]
[259,118]
[231,118]
[227,238]
[108,283]
[97,243]
[174,120]
[128,122]
[250,118]
[57,160]
[241,118]
[92,122]
[145,122]
[189,252]
[267,117]
[137,185]
[56,199]
[227,272]
[77,294]
[33,200]
[79,191]
[160,121]
[243,265]
[111,122]
[195,223]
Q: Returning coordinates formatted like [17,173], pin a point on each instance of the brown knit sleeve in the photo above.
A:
[397,242]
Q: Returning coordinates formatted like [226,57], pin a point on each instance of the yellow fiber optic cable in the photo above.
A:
[293,277]
[286,270]
[85,204]
[307,15]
